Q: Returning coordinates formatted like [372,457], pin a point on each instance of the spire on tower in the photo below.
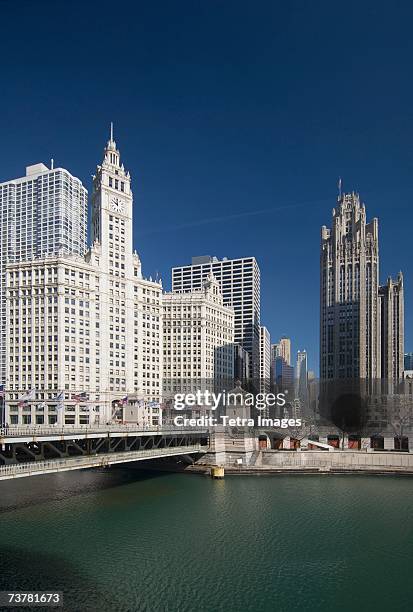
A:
[111,152]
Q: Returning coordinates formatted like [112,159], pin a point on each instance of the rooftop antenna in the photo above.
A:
[52,163]
[111,131]
[339,187]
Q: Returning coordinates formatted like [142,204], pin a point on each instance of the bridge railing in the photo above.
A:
[90,461]
[30,430]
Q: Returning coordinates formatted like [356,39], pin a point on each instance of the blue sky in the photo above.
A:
[235,120]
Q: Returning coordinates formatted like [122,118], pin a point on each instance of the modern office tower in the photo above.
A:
[283,374]
[274,352]
[84,332]
[242,364]
[313,394]
[42,213]
[239,280]
[349,309]
[274,355]
[281,360]
[265,359]
[301,376]
[301,363]
[408,361]
[391,301]
[198,339]
[282,349]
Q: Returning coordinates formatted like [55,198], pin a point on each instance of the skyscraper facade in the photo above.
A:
[349,301]
[283,375]
[42,213]
[239,281]
[361,322]
[85,331]
[391,300]
[242,364]
[265,359]
[282,349]
[408,361]
[281,361]
[198,339]
[301,376]
[274,351]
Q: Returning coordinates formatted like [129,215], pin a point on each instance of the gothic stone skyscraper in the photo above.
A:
[349,299]
[392,328]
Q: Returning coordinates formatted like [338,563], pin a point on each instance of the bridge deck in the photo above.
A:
[35,468]
[12,435]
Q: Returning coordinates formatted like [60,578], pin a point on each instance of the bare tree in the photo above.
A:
[400,413]
[295,410]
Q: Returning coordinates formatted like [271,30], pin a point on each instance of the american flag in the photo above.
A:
[60,398]
[27,397]
[80,397]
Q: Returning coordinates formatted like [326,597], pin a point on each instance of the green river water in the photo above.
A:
[123,540]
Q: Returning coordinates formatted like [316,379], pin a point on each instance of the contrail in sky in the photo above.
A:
[222,218]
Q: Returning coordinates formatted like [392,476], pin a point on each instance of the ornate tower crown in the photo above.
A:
[112,195]
[111,172]
[111,155]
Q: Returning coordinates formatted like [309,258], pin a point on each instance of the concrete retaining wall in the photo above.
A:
[338,460]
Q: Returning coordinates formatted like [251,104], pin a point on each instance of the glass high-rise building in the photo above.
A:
[301,376]
[408,361]
[42,213]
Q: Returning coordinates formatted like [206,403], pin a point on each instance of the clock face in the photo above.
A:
[117,205]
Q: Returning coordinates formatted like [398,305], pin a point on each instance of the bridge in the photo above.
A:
[30,451]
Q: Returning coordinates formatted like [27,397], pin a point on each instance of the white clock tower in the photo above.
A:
[130,307]
[108,319]
[112,202]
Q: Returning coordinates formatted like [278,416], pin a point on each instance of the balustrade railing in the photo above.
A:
[87,461]
[33,430]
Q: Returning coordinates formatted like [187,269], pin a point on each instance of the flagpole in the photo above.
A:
[3,411]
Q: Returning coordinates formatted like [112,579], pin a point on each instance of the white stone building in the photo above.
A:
[84,325]
[43,212]
[141,413]
[198,339]
[239,281]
